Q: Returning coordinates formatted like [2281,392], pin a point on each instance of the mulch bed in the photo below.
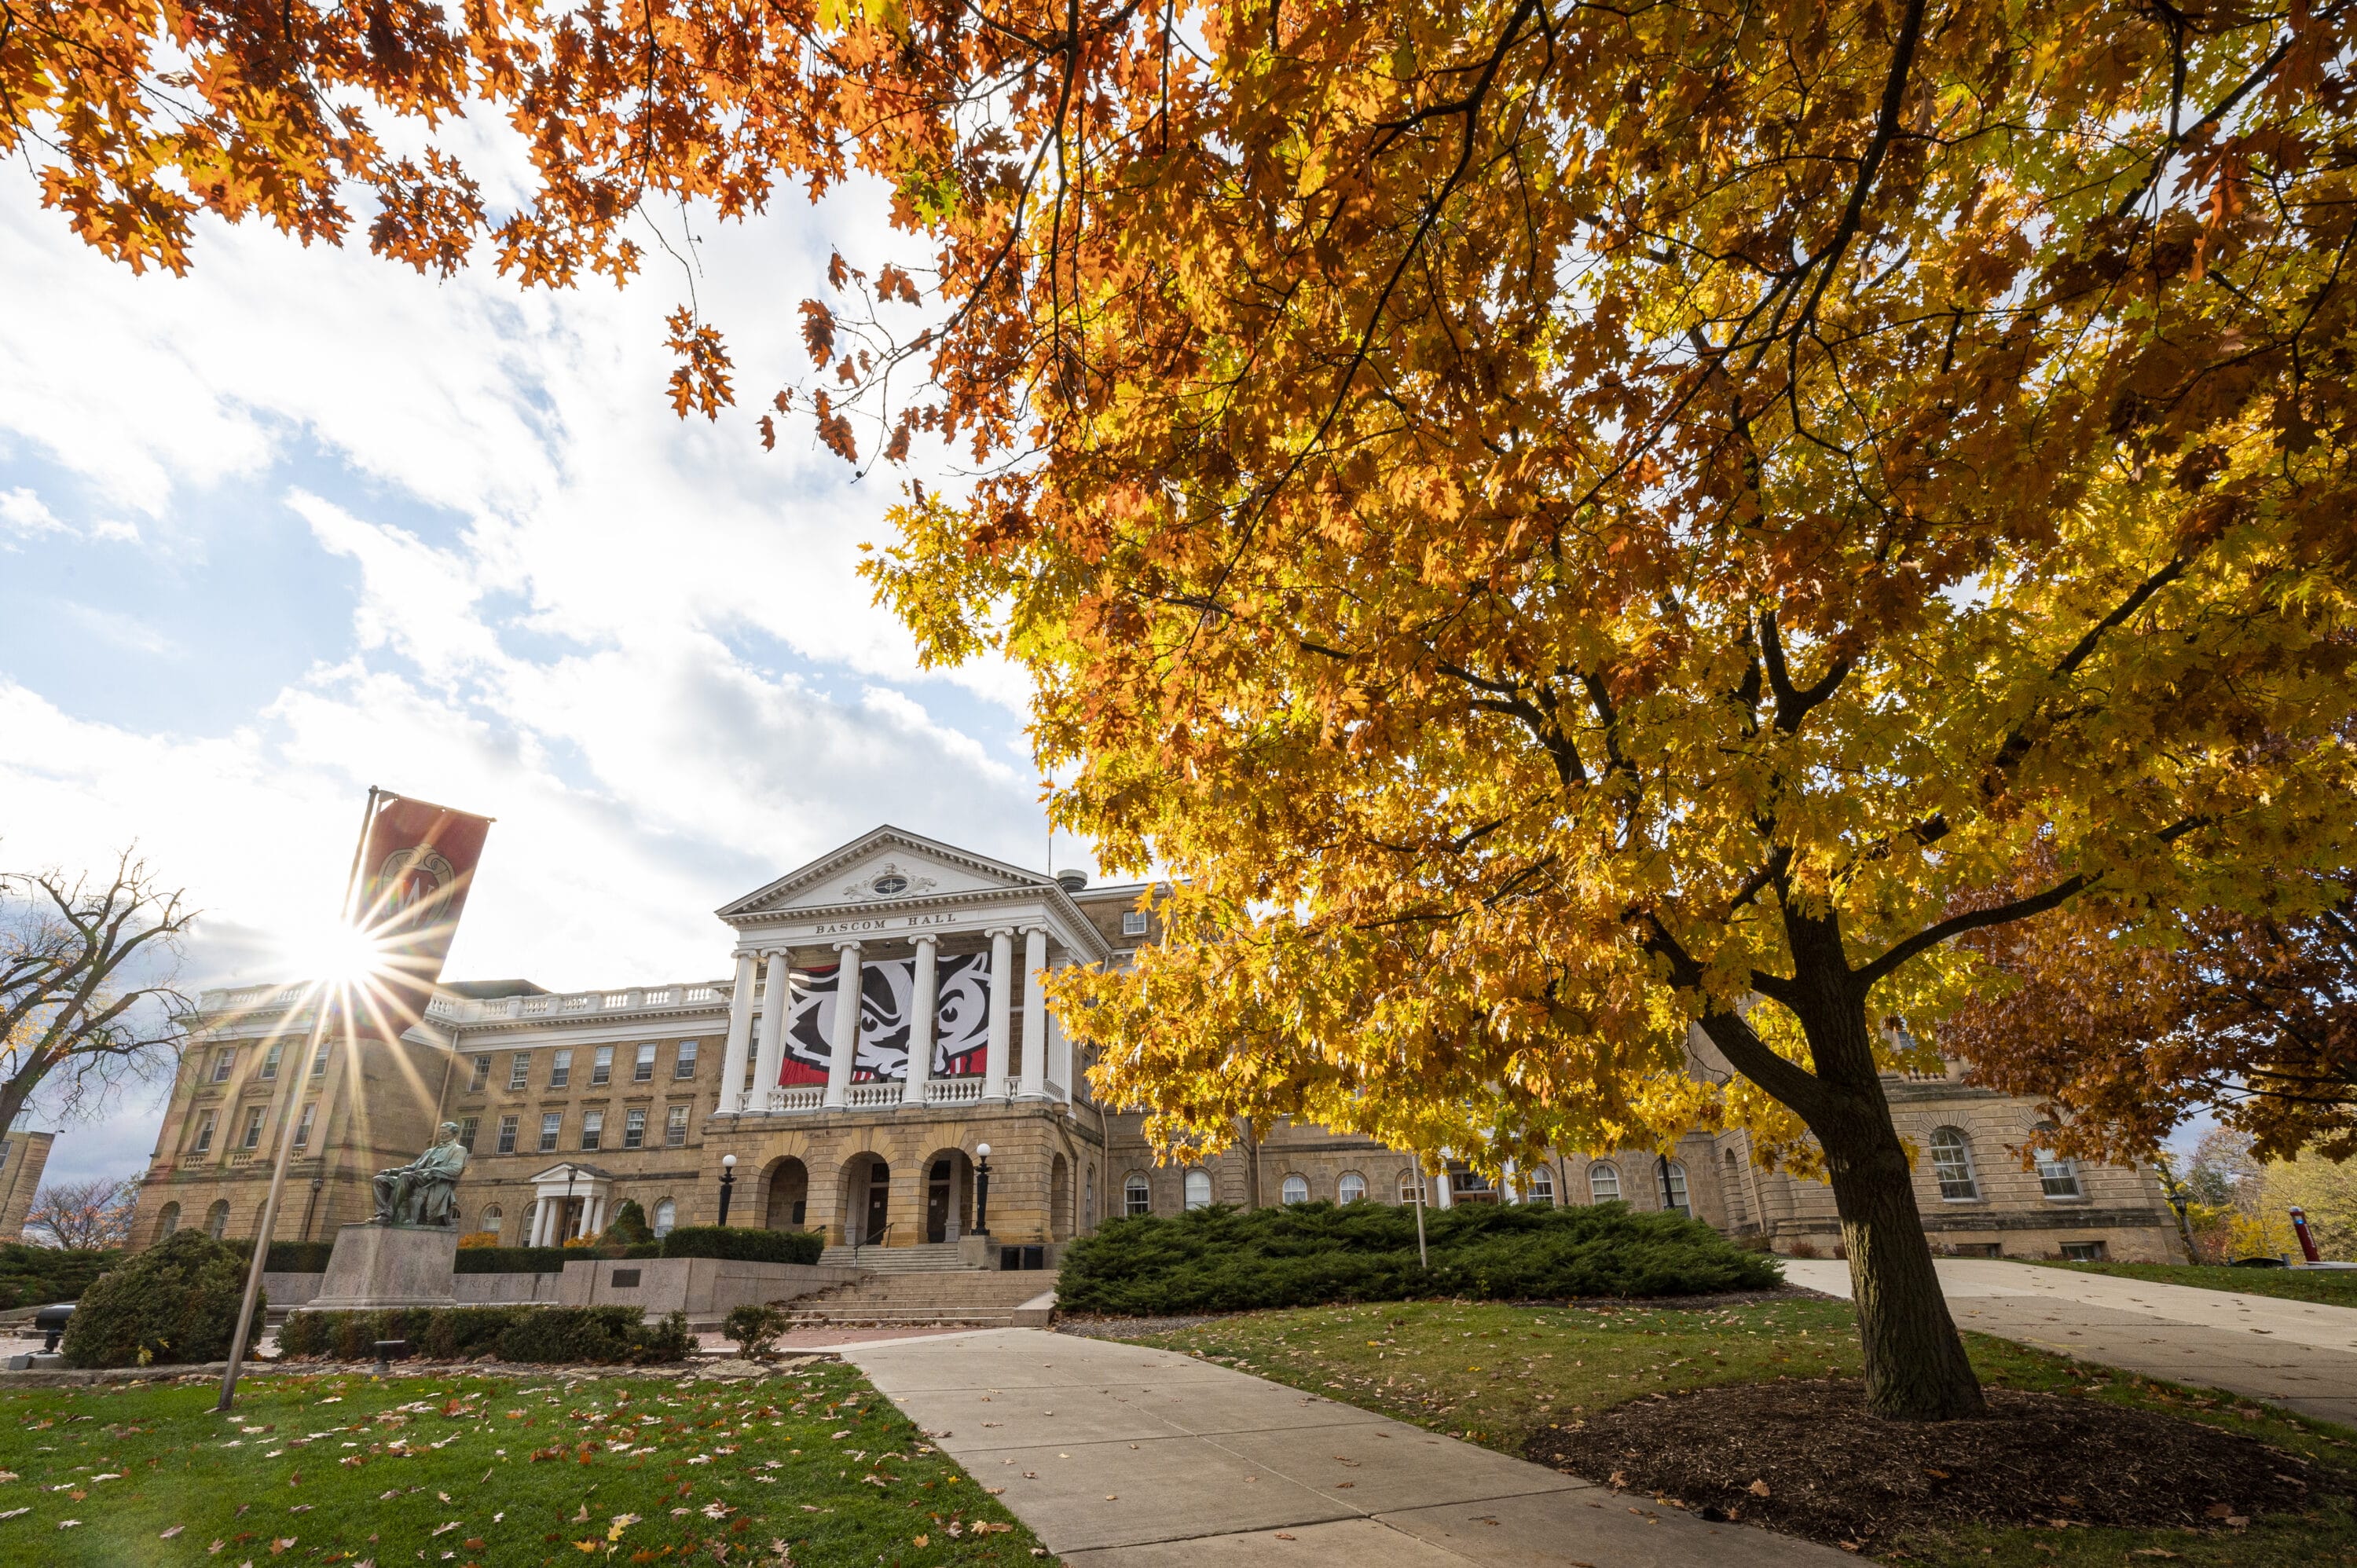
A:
[1805,1457]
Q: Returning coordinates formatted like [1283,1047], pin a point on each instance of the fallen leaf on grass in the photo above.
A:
[1756,1489]
[67,1523]
[12,1513]
[2150,1552]
[171,1532]
[281,1544]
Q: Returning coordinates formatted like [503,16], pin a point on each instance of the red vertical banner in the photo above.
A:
[415,868]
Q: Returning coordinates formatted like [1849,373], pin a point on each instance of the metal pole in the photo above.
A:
[1422,1261]
[287,1135]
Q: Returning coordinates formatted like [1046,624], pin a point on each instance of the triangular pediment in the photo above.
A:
[885,865]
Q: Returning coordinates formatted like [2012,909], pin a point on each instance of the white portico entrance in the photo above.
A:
[899,974]
[569,1200]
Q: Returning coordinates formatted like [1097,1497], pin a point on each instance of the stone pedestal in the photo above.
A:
[377,1266]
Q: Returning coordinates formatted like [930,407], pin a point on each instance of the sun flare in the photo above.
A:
[337,954]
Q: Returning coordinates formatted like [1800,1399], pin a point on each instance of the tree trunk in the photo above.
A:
[1916,1368]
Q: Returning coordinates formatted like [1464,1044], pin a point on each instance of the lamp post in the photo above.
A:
[2179,1200]
[727,1183]
[982,1190]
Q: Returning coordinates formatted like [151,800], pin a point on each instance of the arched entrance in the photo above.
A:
[1060,1200]
[949,1195]
[789,1201]
[866,1203]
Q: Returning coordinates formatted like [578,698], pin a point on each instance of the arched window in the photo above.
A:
[1352,1187]
[2057,1175]
[1674,1200]
[666,1216]
[490,1219]
[1538,1187]
[1951,1163]
[1136,1194]
[168,1222]
[1603,1182]
[1411,1188]
[531,1225]
[1199,1190]
[1294,1189]
[217,1219]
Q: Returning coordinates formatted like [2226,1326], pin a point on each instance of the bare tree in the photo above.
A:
[86,993]
[84,1214]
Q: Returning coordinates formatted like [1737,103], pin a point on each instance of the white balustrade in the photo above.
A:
[954,1092]
[535,1005]
[872,1096]
[798,1097]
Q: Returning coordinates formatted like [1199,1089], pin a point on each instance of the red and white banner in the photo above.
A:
[416,864]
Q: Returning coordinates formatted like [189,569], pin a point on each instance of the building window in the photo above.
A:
[1951,1163]
[1411,1188]
[223,1061]
[683,1064]
[507,1134]
[2057,1175]
[1467,1184]
[2083,1252]
[1136,1194]
[1293,1190]
[204,1134]
[593,1128]
[634,1127]
[270,1058]
[1603,1182]
[643,1070]
[1133,922]
[1199,1190]
[1352,1187]
[601,1067]
[520,1071]
[491,1220]
[676,1127]
[552,1123]
[1674,1200]
[1538,1187]
[217,1219]
[252,1139]
[479,1078]
[168,1222]
[666,1216]
[468,1127]
[560,1070]
[303,1127]
[319,1062]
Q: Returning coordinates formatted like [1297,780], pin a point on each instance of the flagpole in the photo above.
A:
[286,1125]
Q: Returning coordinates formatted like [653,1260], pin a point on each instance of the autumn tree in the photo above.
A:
[1565,524]
[84,1216]
[2125,1030]
[87,1001]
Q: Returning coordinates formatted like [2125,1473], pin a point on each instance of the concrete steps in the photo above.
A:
[940,1257]
[902,1298]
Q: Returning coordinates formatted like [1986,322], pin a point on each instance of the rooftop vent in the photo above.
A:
[1071,881]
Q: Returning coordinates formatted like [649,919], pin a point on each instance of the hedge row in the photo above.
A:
[743,1245]
[603,1335]
[287,1257]
[37,1277]
[1225,1259]
[176,1301]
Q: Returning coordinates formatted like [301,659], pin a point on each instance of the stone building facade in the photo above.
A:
[22,1155]
[873,1123]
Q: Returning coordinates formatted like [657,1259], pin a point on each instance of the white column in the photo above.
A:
[843,1046]
[1440,1193]
[539,1223]
[1059,1056]
[593,1214]
[1035,1015]
[777,1001]
[740,1035]
[920,1023]
[1002,965]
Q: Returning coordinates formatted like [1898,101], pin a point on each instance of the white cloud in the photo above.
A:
[25,513]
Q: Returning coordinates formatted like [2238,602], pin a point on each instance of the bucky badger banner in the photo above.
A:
[888,995]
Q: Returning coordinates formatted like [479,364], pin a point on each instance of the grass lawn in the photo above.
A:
[812,1467]
[2336,1287]
[1496,1374]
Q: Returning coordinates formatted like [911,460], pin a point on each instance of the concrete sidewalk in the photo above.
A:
[2295,1354]
[1117,1454]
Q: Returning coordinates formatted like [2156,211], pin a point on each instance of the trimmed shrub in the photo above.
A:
[40,1276]
[629,1228]
[512,1261]
[603,1335]
[478,1238]
[288,1257]
[744,1244]
[1226,1259]
[176,1301]
[754,1326]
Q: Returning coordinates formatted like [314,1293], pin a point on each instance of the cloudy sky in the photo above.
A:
[303,523]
